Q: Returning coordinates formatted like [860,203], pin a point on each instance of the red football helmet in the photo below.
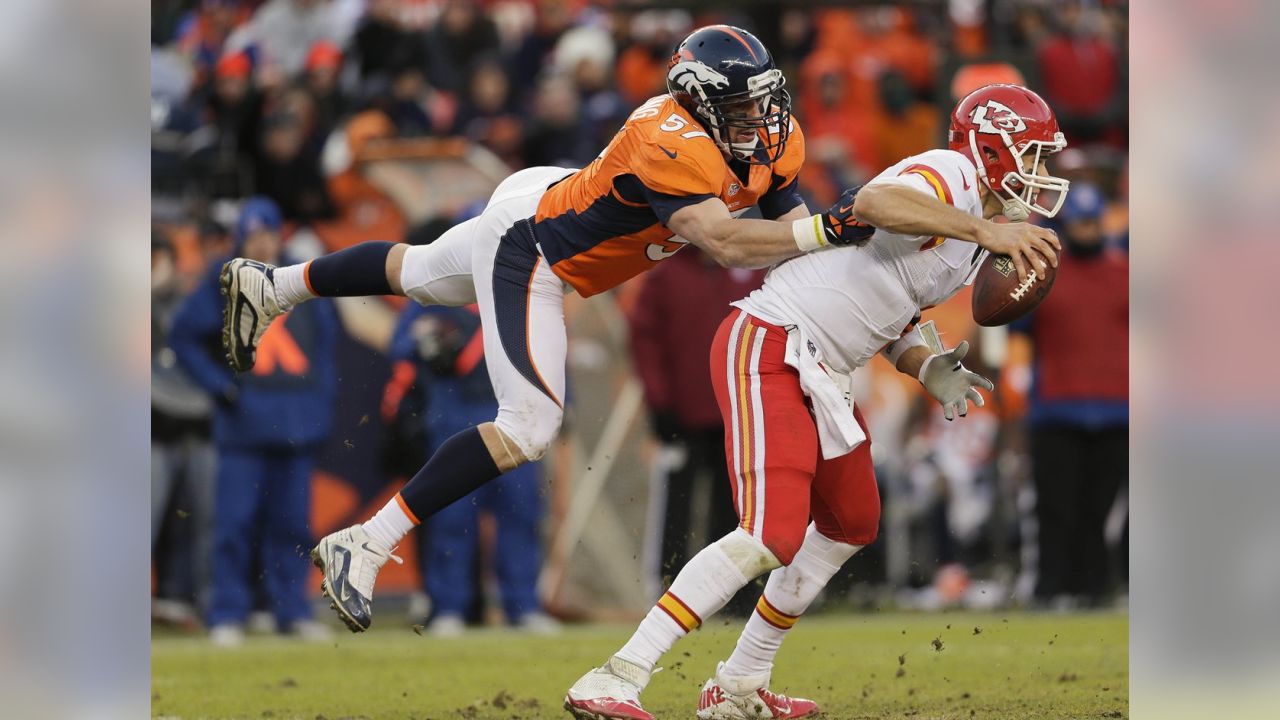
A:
[1016,126]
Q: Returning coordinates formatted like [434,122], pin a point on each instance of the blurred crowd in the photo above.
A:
[281,123]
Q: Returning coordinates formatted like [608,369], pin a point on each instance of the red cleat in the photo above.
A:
[610,692]
[748,699]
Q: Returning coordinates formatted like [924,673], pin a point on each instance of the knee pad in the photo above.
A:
[532,428]
[828,551]
[748,554]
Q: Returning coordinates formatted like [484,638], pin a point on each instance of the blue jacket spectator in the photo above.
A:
[267,427]
[445,346]
[288,397]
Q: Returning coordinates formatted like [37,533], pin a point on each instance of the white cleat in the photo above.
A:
[447,626]
[538,623]
[226,635]
[248,310]
[609,692]
[350,562]
[729,698]
[311,631]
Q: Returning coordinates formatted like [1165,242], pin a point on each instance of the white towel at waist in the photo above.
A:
[829,391]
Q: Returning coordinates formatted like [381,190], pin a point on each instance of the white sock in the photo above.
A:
[703,586]
[389,526]
[291,285]
[787,595]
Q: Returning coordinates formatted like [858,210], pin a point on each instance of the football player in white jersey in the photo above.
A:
[797,447]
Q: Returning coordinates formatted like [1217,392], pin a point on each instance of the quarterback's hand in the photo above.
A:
[840,226]
[951,384]
[1027,245]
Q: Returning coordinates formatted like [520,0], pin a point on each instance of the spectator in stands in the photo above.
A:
[1079,406]
[267,426]
[462,36]
[1081,74]
[669,356]
[909,123]
[282,32]
[586,54]
[415,107]
[234,103]
[488,116]
[444,346]
[551,19]
[556,133]
[951,489]
[182,456]
[287,167]
[642,67]
[384,43]
[324,63]
[204,31]
[796,37]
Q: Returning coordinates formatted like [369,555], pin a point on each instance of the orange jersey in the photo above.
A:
[605,224]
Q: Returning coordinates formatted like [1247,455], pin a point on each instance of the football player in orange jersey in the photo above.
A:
[681,170]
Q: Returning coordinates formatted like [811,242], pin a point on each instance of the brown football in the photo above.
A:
[999,298]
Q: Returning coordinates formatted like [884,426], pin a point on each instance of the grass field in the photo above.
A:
[866,666]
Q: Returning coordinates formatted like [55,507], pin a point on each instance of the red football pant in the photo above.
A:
[771,445]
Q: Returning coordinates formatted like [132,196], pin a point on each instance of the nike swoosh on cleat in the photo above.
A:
[344,591]
[668,152]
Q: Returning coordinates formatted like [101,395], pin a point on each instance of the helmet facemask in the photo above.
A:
[1020,188]
[764,110]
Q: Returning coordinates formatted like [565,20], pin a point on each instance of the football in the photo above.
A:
[999,297]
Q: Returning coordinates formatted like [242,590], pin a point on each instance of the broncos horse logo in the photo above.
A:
[994,118]
[690,74]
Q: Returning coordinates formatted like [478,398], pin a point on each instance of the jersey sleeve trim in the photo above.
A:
[934,178]
[631,190]
[664,206]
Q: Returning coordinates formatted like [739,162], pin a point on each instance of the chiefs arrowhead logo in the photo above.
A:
[692,73]
[994,118]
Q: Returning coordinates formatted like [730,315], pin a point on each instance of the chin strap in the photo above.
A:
[1013,210]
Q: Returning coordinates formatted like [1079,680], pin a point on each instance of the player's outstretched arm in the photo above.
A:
[751,243]
[944,377]
[901,209]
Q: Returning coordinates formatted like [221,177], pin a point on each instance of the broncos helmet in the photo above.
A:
[727,79]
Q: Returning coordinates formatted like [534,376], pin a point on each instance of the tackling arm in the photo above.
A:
[735,242]
[750,243]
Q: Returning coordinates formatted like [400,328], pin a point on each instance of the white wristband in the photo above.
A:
[808,233]
[898,347]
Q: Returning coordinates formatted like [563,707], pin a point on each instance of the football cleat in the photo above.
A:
[350,562]
[609,692]
[748,699]
[248,310]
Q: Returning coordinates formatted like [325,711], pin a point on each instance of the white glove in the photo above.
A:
[950,383]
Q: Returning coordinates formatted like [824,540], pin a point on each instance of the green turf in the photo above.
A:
[872,666]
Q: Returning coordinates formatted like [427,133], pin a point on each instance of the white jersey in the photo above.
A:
[853,301]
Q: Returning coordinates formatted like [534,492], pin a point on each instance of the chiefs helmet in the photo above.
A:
[1008,130]
[727,79]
